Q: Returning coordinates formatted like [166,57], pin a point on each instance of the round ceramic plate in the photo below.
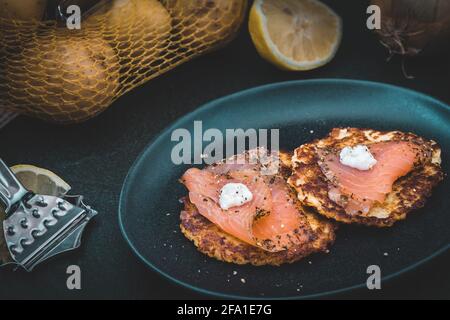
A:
[302,111]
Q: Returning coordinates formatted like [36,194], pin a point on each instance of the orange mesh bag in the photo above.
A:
[61,75]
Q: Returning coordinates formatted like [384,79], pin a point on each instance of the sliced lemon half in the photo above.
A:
[295,34]
[39,180]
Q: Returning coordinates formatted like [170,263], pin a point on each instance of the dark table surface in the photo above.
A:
[94,158]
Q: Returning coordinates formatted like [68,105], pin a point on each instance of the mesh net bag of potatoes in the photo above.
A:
[54,73]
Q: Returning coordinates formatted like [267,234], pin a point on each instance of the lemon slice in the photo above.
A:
[40,180]
[295,34]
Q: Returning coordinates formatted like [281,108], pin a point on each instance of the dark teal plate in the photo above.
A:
[302,110]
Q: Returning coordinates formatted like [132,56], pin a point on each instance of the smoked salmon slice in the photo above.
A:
[271,220]
[357,190]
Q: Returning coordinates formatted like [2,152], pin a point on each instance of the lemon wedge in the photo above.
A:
[40,180]
[295,34]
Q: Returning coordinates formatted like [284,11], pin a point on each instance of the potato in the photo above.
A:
[19,10]
[64,79]
[22,9]
[138,29]
[207,21]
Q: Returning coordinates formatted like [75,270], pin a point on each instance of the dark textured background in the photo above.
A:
[94,158]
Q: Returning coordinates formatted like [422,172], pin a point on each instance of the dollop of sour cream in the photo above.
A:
[358,157]
[233,195]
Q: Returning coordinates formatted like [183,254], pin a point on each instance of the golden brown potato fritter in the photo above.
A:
[408,193]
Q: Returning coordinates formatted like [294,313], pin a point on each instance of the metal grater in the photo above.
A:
[38,227]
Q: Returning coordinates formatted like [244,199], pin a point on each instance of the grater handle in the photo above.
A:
[11,190]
